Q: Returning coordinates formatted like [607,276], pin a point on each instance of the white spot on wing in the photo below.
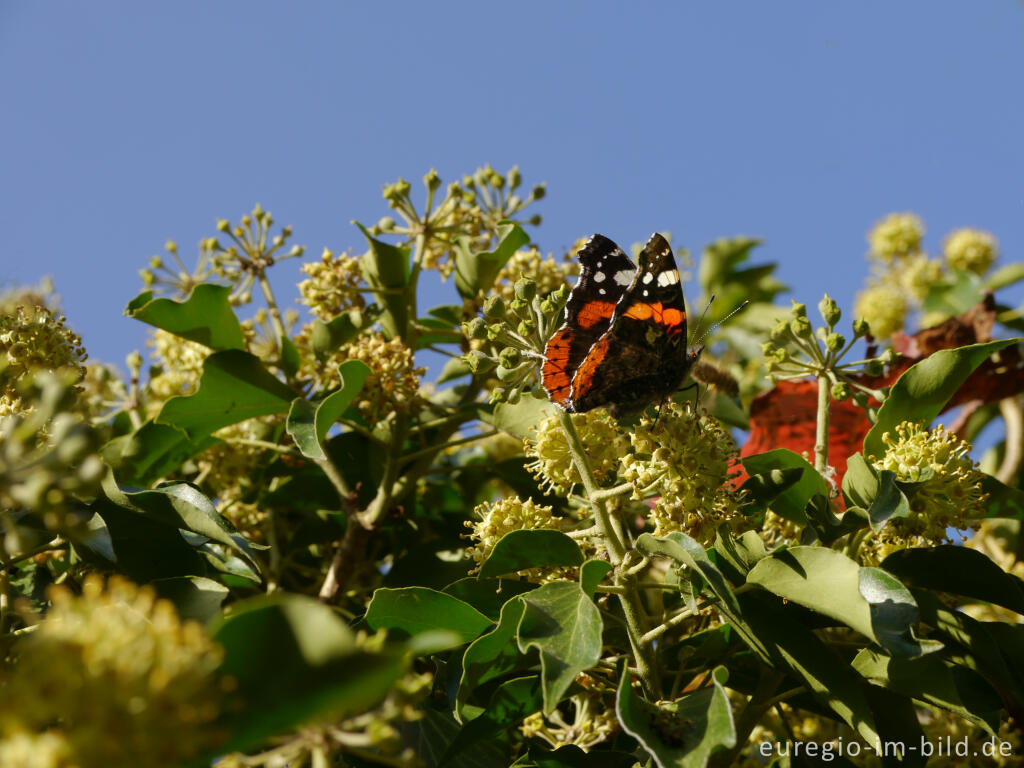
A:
[668,278]
[599,277]
[648,277]
[602,291]
[625,276]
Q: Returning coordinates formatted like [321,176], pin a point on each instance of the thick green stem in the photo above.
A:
[629,598]
[821,435]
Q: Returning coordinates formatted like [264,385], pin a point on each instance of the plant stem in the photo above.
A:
[821,435]
[1013,417]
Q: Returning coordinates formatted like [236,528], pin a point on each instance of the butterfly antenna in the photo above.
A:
[714,326]
[700,322]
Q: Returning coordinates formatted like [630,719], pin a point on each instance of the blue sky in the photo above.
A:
[125,124]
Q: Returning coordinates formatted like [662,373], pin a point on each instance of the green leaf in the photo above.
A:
[563,624]
[432,736]
[509,704]
[417,609]
[455,368]
[877,492]
[571,756]
[741,552]
[290,359]
[518,550]
[831,680]
[762,490]
[182,506]
[591,574]
[1004,276]
[205,317]
[828,582]
[151,452]
[789,503]
[234,387]
[920,394]
[681,733]
[295,661]
[308,423]
[492,655]
[195,597]
[487,595]
[475,272]
[1003,500]
[519,419]
[958,571]
[386,268]
[929,679]
[326,337]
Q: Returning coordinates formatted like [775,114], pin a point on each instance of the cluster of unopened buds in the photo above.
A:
[796,349]
[510,337]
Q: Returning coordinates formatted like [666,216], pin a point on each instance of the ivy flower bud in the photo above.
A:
[840,391]
[860,399]
[223,225]
[830,311]
[835,342]
[874,367]
[475,329]
[560,293]
[494,308]
[386,224]
[514,177]
[171,247]
[520,307]
[432,180]
[547,306]
[507,375]
[509,357]
[799,310]
[860,328]
[801,327]
[538,192]
[477,361]
[512,396]
[526,288]
[526,327]
[494,331]
[780,333]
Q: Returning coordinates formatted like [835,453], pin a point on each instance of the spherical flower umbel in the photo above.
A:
[884,307]
[685,460]
[552,462]
[113,655]
[547,273]
[180,362]
[971,250]
[896,236]
[504,516]
[32,338]
[947,494]
[334,285]
[918,274]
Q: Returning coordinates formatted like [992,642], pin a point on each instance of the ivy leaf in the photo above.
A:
[234,387]
[475,272]
[205,317]
[305,666]
[958,571]
[386,269]
[518,550]
[681,733]
[308,423]
[867,599]
[195,597]
[790,502]
[152,451]
[920,394]
[415,610]
[1002,500]
[518,419]
[492,655]
[762,489]
[327,336]
[509,704]
[741,552]
[487,595]
[563,624]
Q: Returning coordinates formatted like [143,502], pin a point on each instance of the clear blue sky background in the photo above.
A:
[124,124]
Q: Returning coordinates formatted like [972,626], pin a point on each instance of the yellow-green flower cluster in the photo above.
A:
[333,286]
[971,250]
[547,273]
[918,274]
[111,658]
[495,519]
[947,493]
[552,461]
[884,307]
[180,364]
[32,338]
[394,380]
[593,722]
[685,460]
[895,237]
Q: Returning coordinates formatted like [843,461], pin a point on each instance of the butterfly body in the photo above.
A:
[623,343]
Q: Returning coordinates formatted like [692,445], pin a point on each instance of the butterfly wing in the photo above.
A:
[605,274]
[642,355]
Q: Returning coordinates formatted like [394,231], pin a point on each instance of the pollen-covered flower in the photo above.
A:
[918,274]
[592,722]
[884,307]
[333,286]
[113,655]
[495,519]
[552,462]
[685,460]
[971,250]
[180,363]
[32,338]
[547,273]
[947,492]
[229,469]
[896,236]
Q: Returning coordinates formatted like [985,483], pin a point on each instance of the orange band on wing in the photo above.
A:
[669,316]
[594,312]
[555,378]
[584,378]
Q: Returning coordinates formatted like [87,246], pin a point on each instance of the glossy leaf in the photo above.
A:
[417,609]
[563,624]
[959,571]
[509,704]
[152,451]
[790,502]
[327,336]
[308,423]
[1002,500]
[234,387]
[518,550]
[741,552]
[1004,276]
[875,491]
[519,419]
[681,733]
[205,317]
[866,599]
[295,661]
[386,268]
[492,655]
[195,597]
[922,391]
[761,490]
[487,595]
[592,573]
[475,272]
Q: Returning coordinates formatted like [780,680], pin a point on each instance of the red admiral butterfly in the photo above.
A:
[623,343]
